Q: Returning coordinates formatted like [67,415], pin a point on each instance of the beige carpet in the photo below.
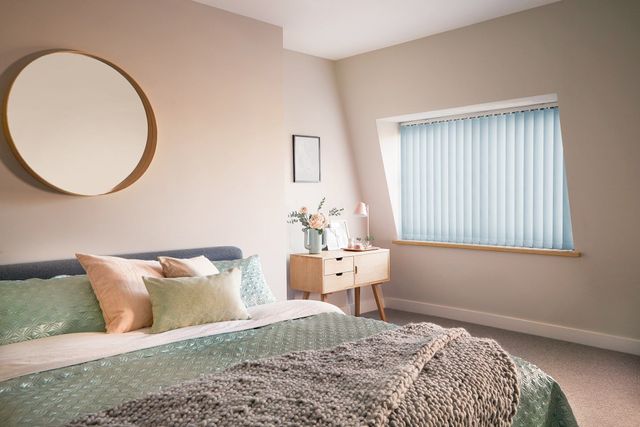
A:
[603,387]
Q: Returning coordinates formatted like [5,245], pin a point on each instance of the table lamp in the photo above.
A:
[362,210]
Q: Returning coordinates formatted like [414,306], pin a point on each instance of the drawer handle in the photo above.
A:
[339,259]
[338,274]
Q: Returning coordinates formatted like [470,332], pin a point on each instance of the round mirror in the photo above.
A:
[79,124]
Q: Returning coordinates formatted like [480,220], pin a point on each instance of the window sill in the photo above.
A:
[553,252]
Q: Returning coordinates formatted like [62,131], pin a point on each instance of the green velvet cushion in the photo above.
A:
[38,308]
[187,301]
[254,288]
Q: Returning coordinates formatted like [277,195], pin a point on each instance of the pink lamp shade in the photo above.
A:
[361,209]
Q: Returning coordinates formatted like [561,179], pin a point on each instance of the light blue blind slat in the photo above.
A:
[493,180]
[475,186]
[467,184]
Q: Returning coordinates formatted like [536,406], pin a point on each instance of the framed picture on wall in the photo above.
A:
[306,158]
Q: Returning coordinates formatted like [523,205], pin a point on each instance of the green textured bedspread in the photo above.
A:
[57,396]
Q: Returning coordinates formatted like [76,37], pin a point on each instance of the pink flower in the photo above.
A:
[317,221]
[303,210]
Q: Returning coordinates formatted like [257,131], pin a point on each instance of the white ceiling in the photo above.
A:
[336,29]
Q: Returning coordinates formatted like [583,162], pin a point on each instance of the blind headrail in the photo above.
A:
[479,114]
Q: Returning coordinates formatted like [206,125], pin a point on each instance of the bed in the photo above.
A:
[54,380]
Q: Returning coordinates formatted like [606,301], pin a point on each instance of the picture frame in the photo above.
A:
[306,158]
[331,239]
[337,235]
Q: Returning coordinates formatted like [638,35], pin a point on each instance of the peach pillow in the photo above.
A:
[187,267]
[117,283]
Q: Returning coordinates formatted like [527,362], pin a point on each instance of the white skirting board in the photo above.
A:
[580,336]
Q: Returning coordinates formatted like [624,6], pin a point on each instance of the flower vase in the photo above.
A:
[314,240]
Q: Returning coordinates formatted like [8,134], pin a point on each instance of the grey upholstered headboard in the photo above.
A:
[46,269]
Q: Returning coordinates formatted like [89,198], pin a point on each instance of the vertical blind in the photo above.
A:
[491,180]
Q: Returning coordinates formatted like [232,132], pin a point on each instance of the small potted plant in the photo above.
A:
[313,225]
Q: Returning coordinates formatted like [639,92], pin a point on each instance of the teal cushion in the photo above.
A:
[253,289]
[38,308]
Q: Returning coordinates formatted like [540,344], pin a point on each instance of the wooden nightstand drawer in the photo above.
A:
[338,265]
[337,282]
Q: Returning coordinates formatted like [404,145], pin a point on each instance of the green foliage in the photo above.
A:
[303,216]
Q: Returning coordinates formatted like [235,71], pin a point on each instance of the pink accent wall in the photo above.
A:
[214,80]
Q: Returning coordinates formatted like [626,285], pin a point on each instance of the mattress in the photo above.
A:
[92,372]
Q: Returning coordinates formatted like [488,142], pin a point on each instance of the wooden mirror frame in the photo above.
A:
[152,133]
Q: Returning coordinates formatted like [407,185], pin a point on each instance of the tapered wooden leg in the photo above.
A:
[323,297]
[305,295]
[357,300]
[377,294]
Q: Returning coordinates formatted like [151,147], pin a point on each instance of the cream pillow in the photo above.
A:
[187,301]
[187,267]
[117,283]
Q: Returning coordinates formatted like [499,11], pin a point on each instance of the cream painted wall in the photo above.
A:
[587,52]
[312,107]
[215,82]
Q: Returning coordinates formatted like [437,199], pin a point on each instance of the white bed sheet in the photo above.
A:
[43,354]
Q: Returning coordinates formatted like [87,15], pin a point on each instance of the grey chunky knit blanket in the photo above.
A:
[417,375]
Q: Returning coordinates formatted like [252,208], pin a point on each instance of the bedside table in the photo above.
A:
[333,271]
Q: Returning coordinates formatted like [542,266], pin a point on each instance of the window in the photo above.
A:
[494,179]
